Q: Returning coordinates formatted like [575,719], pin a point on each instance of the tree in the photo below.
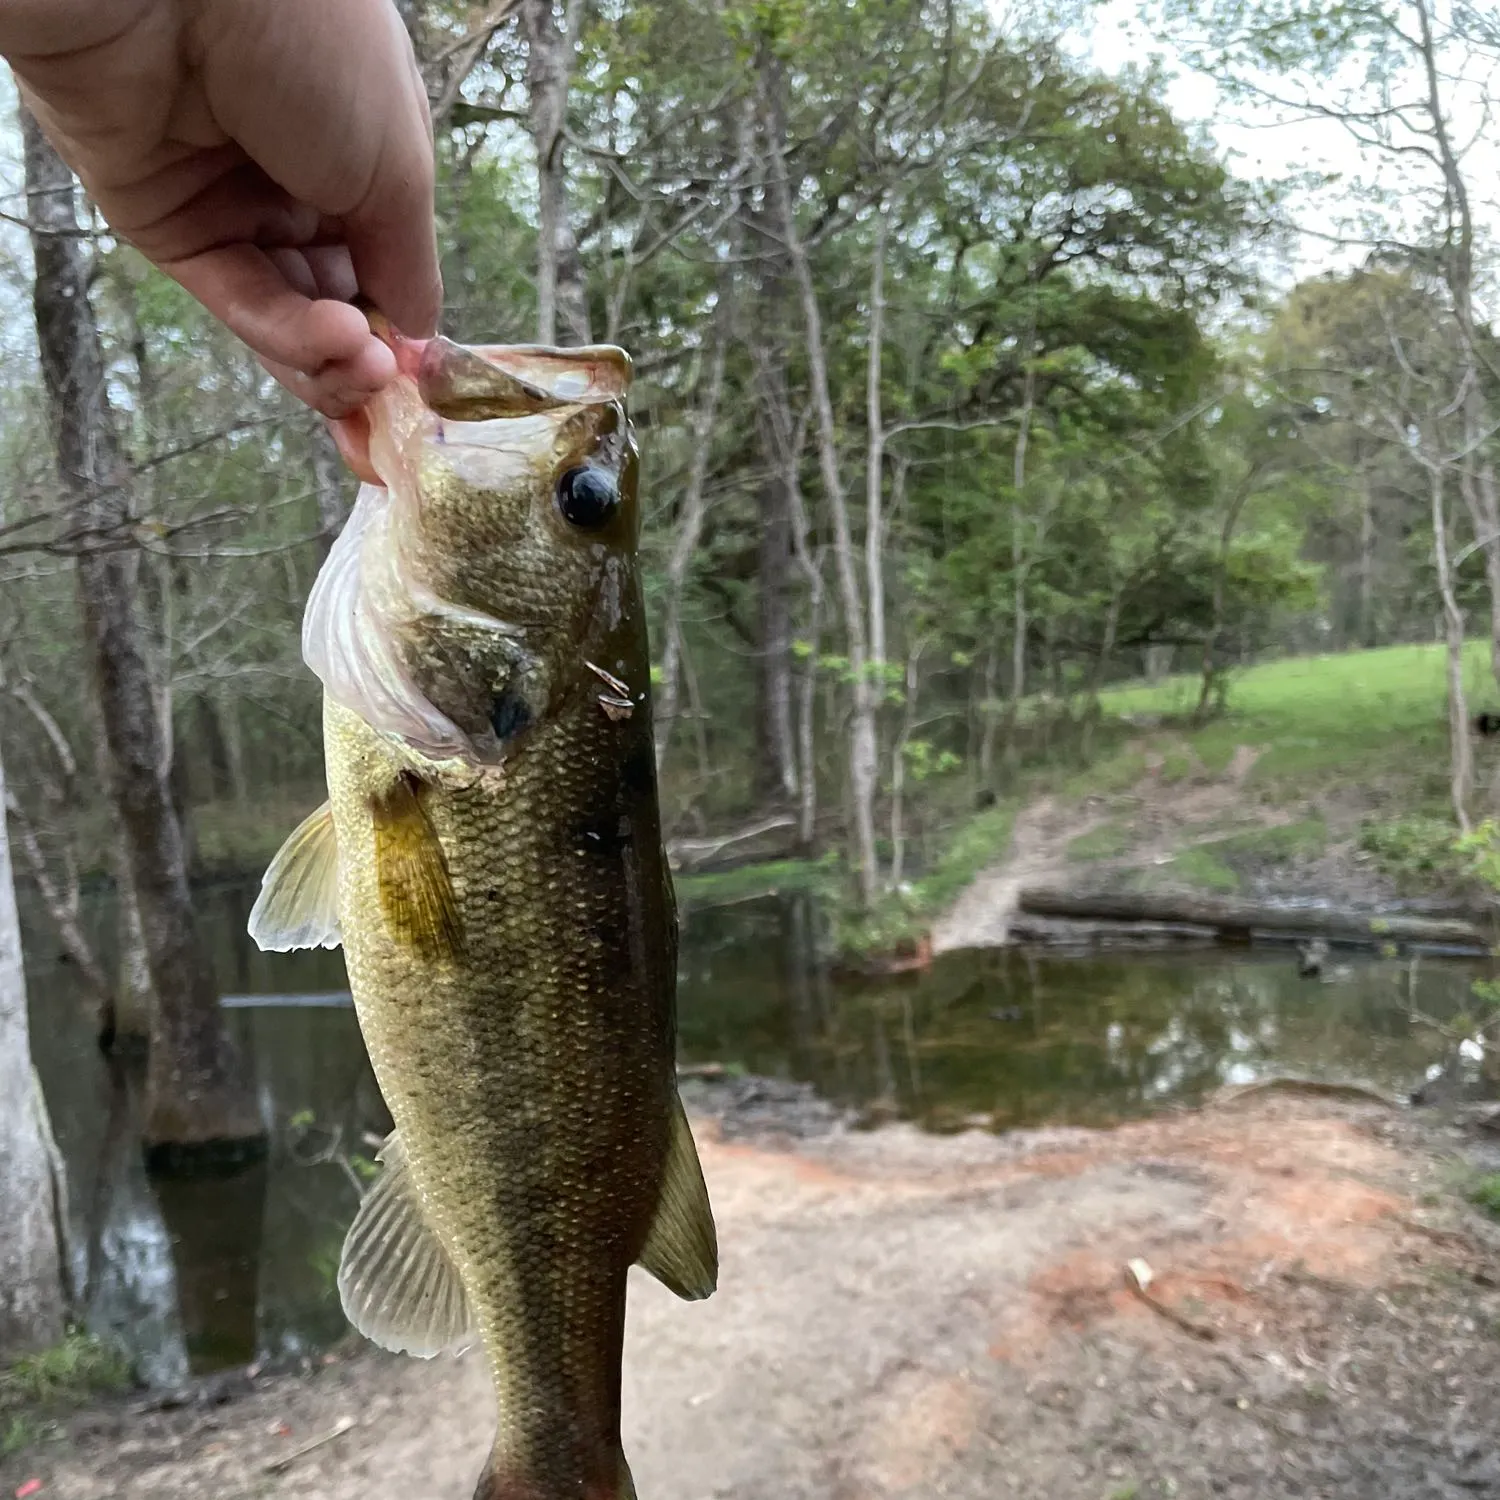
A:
[31,1214]
[197,1092]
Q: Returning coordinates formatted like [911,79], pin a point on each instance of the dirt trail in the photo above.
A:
[1163,818]
[906,1316]
[981,916]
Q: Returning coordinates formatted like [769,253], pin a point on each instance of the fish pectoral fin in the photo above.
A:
[298,905]
[682,1250]
[416,893]
[398,1285]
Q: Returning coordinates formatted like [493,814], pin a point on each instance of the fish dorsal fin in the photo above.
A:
[298,905]
[682,1250]
[416,893]
[398,1285]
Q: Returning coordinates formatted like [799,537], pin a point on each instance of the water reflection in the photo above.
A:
[194,1276]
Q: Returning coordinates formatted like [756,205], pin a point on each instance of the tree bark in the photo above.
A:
[1221,581]
[329,485]
[32,1302]
[689,529]
[863,769]
[776,754]
[561,296]
[782,440]
[1244,917]
[1367,632]
[1461,764]
[1018,561]
[197,1090]
[875,450]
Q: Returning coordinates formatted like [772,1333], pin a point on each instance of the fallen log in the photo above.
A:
[1240,918]
[767,838]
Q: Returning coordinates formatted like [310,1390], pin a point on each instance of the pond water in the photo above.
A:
[193,1276]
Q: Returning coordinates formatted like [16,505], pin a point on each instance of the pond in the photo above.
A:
[193,1276]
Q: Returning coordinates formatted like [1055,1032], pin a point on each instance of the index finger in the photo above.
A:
[392,232]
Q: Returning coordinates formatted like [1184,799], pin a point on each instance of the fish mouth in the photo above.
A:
[476,383]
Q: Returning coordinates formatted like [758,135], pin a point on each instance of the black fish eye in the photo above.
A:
[587,497]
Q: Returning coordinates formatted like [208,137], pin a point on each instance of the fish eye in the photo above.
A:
[587,497]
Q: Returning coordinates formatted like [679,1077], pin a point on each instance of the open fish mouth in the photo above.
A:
[487,409]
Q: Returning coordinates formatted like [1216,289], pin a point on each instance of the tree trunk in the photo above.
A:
[1240,918]
[783,446]
[689,530]
[989,718]
[197,1089]
[1018,561]
[875,451]
[32,1302]
[1221,581]
[1461,767]
[1367,631]
[561,297]
[863,770]
[329,485]
[898,767]
[776,758]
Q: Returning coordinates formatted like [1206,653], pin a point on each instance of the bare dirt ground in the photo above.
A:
[1159,819]
[981,916]
[906,1316]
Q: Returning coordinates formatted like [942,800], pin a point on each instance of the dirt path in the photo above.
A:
[905,1316]
[981,916]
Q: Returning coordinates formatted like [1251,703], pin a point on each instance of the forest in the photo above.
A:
[971,383]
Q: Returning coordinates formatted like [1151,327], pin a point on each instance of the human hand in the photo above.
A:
[272,156]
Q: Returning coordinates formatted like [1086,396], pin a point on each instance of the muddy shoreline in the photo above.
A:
[905,1315]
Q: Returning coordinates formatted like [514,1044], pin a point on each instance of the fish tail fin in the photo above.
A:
[500,1481]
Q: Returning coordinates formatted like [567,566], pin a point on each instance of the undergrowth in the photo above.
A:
[1485,1194]
[70,1371]
[901,914]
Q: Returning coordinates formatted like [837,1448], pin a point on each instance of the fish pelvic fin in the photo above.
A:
[416,892]
[397,1284]
[298,905]
[682,1249]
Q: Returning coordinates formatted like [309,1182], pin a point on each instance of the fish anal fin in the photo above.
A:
[682,1249]
[398,1285]
[416,893]
[298,905]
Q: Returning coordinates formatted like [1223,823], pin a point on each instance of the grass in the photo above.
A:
[1200,868]
[779,877]
[1282,841]
[71,1371]
[1375,714]
[67,1374]
[1107,841]
[1484,1194]
[1416,850]
[18,1432]
[976,842]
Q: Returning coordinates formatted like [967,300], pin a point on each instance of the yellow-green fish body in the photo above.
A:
[491,858]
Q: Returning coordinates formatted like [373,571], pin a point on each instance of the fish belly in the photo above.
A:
[531,1081]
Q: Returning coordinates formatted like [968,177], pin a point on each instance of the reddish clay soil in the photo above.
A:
[906,1316]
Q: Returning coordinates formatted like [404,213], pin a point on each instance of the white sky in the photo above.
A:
[1257,143]
[1262,143]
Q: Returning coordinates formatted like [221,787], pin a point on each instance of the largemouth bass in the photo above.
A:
[491,859]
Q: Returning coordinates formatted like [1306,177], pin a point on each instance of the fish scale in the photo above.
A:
[506,912]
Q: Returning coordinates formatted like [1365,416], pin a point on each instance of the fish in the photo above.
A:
[490,857]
